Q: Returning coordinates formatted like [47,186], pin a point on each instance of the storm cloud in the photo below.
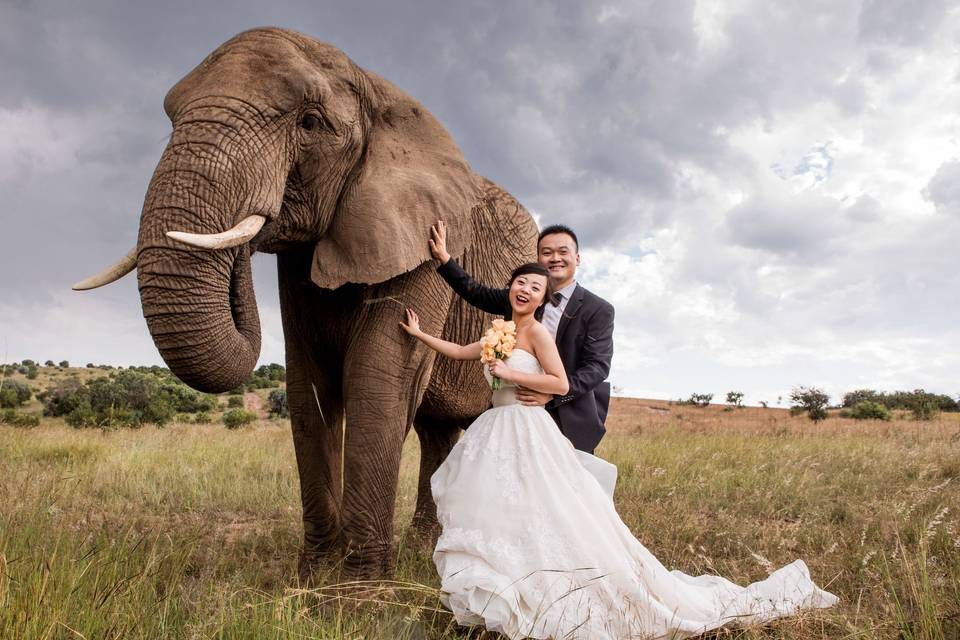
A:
[766,191]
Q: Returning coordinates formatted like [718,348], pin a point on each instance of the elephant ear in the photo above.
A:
[410,175]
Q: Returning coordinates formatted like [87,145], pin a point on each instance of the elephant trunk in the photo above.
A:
[199,304]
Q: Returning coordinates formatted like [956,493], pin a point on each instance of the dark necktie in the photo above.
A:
[556,298]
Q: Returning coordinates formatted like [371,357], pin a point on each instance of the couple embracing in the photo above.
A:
[531,543]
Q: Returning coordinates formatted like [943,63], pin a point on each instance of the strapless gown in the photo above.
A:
[532,545]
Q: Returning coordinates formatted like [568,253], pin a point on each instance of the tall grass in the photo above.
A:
[192,531]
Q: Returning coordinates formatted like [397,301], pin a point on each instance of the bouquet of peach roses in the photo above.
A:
[498,343]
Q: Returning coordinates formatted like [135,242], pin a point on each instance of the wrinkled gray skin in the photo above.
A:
[350,173]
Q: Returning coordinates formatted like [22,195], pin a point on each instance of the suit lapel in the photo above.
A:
[570,311]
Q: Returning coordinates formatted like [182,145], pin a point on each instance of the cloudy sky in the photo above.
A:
[768,192]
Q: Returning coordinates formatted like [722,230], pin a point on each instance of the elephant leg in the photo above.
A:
[317,429]
[314,395]
[437,438]
[386,374]
[371,471]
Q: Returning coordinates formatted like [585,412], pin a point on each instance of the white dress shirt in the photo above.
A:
[552,314]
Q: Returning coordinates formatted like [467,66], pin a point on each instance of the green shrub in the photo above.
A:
[185,399]
[49,363]
[202,417]
[268,376]
[32,372]
[235,401]
[16,418]
[64,364]
[277,402]
[14,393]
[236,418]
[63,398]
[868,410]
[115,417]
[156,370]
[158,411]
[82,416]
[128,399]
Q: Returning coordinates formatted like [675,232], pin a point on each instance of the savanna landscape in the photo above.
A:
[191,530]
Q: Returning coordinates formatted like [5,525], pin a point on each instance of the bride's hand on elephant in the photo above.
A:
[532,398]
[500,370]
[412,325]
[438,241]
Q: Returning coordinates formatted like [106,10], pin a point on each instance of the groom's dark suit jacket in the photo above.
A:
[585,343]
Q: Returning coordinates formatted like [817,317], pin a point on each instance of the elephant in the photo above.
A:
[281,144]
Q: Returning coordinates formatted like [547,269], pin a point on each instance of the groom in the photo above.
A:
[580,321]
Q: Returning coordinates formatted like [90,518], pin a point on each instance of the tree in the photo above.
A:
[64,364]
[735,398]
[853,398]
[811,400]
[272,371]
[924,408]
[700,399]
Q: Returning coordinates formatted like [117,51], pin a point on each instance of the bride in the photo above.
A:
[532,545]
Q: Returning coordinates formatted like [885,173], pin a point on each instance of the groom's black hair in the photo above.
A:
[559,228]
[537,269]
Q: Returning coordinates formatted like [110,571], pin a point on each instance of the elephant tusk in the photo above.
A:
[239,234]
[114,272]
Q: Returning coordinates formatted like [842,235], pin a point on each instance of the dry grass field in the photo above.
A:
[191,531]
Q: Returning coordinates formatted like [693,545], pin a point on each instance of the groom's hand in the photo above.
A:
[531,398]
[438,241]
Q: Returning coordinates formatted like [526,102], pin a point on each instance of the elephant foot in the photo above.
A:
[317,566]
[311,569]
[368,563]
[425,529]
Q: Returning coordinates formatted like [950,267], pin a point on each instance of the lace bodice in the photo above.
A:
[519,360]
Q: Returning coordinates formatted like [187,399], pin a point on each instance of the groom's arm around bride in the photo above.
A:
[581,322]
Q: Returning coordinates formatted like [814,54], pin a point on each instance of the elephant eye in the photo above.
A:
[311,122]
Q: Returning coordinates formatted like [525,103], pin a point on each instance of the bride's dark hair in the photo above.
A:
[537,269]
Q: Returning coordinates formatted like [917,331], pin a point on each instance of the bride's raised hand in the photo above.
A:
[412,325]
[499,369]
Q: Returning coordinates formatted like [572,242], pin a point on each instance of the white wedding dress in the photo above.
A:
[532,545]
